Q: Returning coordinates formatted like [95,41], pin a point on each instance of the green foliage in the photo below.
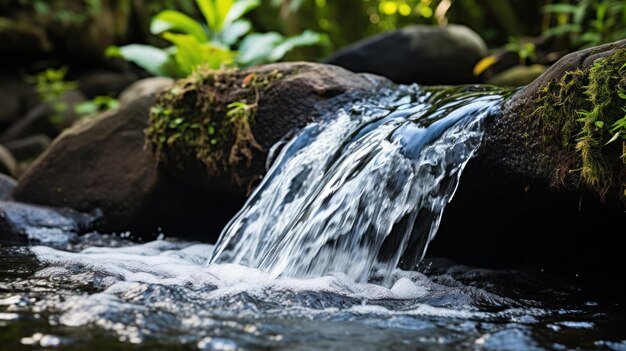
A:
[211,114]
[211,43]
[51,86]
[585,110]
[59,11]
[588,22]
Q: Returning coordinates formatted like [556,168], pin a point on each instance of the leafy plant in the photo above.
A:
[211,43]
[588,22]
[51,86]
[619,127]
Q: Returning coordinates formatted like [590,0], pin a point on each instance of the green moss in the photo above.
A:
[578,112]
[210,116]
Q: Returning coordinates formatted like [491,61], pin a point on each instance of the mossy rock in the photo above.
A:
[214,129]
[560,130]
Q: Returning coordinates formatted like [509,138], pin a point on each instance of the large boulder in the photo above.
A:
[417,54]
[547,185]
[102,164]
[214,130]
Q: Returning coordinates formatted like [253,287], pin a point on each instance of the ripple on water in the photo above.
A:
[161,293]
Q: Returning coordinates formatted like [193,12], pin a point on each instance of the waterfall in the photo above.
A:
[363,190]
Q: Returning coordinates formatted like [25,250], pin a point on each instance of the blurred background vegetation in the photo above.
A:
[64,60]
[72,30]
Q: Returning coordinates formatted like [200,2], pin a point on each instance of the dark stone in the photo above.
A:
[301,94]
[509,210]
[143,87]
[102,164]
[417,54]
[29,147]
[24,219]
[7,184]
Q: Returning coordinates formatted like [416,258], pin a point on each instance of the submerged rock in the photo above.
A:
[38,222]
[417,54]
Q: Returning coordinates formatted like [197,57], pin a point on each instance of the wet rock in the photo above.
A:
[28,147]
[147,86]
[417,54]
[524,199]
[7,184]
[193,136]
[8,165]
[102,164]
[38,222]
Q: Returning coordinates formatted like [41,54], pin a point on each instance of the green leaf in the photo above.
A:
[240,8]
[599,124]
[615,137]
[563,29]
[169,20]
[222,7]
[150,58]
[231,34]
[307,38]
[256,48]
[560,8]
[190,53]
[207,7]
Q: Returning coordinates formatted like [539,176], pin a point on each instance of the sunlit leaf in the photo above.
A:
[207,7]
[560,8]
[257,48]
[307,38]
[231,34]
[153,60]
[222,7]
[169,20]
[240,8]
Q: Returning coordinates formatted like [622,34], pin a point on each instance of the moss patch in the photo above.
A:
[210,116]
[580,112]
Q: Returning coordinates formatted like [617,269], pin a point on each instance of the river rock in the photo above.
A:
[147,86]
[190,130]
[417,54]
[43,223]
[524,199]
[102,164]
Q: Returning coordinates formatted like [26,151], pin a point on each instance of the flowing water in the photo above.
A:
[311,260]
